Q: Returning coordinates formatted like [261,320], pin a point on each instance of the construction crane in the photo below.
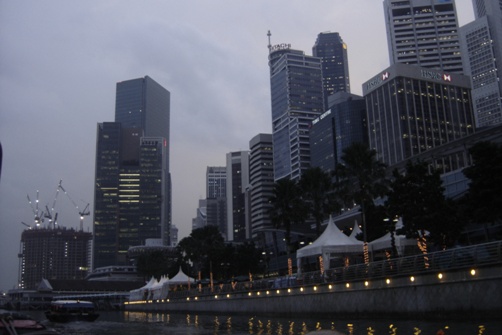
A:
[82,213]
[27,225]
[48,214]
[39,216]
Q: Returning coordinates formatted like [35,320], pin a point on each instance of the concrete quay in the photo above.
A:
[453,294]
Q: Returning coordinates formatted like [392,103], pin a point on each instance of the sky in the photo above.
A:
[60,62]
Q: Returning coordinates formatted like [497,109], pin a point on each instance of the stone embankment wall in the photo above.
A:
[461,293]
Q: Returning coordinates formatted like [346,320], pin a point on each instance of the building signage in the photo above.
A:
[377,81]
[328,112]
[435,75]
[282,46]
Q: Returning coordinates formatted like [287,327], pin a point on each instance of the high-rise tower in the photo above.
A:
[132,195]
[335,65]
[482,56]
[423,33]
[261,182]
[297,98]
[237,184]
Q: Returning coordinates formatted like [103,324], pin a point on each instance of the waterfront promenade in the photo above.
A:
[457,283]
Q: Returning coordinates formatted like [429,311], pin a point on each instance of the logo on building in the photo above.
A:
[377,81]
[428,74]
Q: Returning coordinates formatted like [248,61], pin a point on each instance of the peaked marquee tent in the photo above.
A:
[331,241]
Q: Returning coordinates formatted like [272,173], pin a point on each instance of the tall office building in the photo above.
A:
[297,98]
[132,195]
[237,183]
[482,56]
[411,110]
[216,181]
[261,182]
[423,33]
[57,253]
[216,201]
[335,63]
[343,124]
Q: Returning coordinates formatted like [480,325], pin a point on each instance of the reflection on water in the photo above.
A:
[136,323]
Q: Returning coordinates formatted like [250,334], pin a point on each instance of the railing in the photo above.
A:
[452,259]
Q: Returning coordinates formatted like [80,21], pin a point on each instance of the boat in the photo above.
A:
[71,310]
[12,323]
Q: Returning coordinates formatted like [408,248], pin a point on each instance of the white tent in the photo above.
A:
[332,240]
[355,231]
[385,242]
[138,294]
[159,289]
[180,278]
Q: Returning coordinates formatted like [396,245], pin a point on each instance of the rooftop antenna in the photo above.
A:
[269,44]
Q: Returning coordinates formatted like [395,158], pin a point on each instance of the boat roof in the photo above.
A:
[71,302]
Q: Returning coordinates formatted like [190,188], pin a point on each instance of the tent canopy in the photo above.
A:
[180,278]
[332,240]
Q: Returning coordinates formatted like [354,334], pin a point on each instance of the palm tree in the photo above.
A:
[287,208]
[360,178]
[316,187]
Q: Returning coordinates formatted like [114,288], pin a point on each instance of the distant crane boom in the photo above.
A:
[82,213]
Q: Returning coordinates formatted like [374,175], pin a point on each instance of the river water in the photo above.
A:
[140,323]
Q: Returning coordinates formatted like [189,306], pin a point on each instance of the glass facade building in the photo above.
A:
[297,98]
[423,33]
[343,124]
[411,110]
[237,184]
[335,64]
[132,195]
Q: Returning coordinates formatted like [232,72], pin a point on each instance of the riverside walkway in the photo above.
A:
[456,282]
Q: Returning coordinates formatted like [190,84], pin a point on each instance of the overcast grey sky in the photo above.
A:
[60,61]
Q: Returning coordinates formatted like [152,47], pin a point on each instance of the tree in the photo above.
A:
[316,188]
[483,199]
[360,178]
[417,196]
[287,208]
[155,263]
[204,248]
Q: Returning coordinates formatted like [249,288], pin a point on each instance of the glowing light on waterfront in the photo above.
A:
[387,281]
[268,292]
[216,296]
[289,290]
[188,298]
[473,272]
[278,291]
[440,276]
[249,294]
[347,285]
[366,283]
[330,286]
[315,288]
[412,279]
[301,289]
[228,295]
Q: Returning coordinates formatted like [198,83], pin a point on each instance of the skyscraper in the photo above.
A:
[423,33]
[132,195]
[335,64]
[261,181]
[297,98]
[216,201]
[482,56]
[343,124]
[237,183]
[411,110]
